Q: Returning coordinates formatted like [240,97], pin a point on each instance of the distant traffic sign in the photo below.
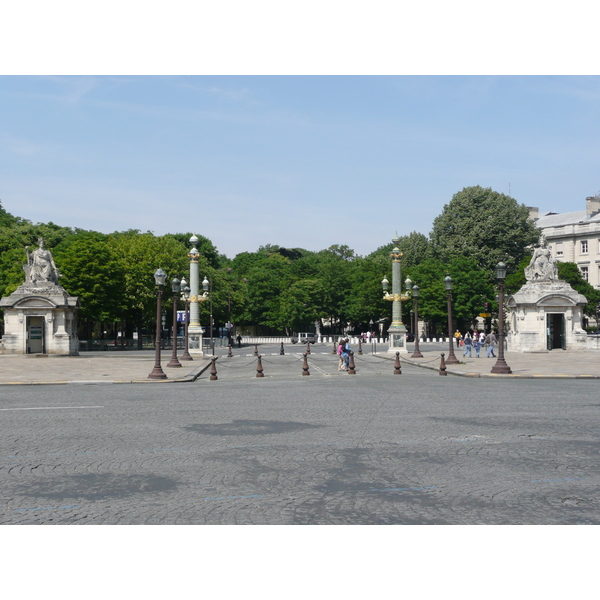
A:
[485,315]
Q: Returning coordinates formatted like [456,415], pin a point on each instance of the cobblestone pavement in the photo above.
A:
[134,366]
[331,448]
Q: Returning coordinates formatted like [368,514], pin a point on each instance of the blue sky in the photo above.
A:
[299,161]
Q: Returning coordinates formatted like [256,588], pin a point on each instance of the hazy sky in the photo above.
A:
[299,161]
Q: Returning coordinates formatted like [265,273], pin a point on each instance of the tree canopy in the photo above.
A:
[485,226]
[279,289]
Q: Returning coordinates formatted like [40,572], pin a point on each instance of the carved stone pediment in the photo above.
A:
[33,302]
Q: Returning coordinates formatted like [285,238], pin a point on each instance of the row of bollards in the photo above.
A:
[305,368]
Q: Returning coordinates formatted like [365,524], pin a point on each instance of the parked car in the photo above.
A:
[303,338]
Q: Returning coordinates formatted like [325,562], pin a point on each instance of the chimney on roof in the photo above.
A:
[534,212]
[592,205]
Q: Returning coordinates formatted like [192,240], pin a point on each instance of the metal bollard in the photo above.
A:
[307,347]
[282,351]
[305,370]
[229,352]
[397,367]
[213,369]
[334,351]
[255,349]
[443,366]
[359,346]
[259,367]
[351,366]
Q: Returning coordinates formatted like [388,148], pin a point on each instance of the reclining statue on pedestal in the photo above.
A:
[40,267]
[542,267]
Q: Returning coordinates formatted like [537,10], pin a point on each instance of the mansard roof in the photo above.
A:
[550,219]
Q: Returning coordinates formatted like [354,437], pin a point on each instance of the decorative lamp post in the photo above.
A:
[195,330]
[207,287]
[185,296]
[501,367]
[397,330]
[175,288]
[451,360]
[415,294]
[159,279]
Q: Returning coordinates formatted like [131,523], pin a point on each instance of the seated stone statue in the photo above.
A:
[542,267]
[40,266]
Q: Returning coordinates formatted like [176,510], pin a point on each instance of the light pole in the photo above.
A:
[195,330]
[175,288]
[159,280]
[397,330]
[501,367]
[451,360]
[415,295]
[207,287]
[185,295]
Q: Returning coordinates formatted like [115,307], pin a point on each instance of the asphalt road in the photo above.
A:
[331,448]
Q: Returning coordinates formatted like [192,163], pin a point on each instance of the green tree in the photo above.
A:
[90,271]
[415,248]
[485,226]
[569,272]
[206,248]
[470,290]
[365,303]
[138,256]
[301,304]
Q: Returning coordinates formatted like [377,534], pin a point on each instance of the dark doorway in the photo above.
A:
[35,335]
[555,331]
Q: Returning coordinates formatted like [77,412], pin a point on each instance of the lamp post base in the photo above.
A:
[397,341]
[157,373]
[501,368]
[174,363]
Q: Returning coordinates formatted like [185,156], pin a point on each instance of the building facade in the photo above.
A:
[574,237]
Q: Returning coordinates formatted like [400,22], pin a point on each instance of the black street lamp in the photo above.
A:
[175,288]
[451,360]
[159,279]
[185,296]
[501,367]
[415,294]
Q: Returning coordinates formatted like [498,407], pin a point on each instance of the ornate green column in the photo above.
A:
[397,330]
[195,330]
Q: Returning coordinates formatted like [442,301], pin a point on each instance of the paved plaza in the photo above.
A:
[331,448]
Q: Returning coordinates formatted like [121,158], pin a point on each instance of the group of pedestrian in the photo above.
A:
[476,339]
[343,351]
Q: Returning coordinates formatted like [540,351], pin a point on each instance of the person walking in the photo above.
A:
[477,345]
[490,340]
[457,337]
[340,349]
[346,353]
[468,345]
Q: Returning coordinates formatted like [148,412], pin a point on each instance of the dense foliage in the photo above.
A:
[486,226]
[281,290]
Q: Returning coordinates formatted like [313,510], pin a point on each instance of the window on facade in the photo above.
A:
[584,272]
[584,246]
[559,249]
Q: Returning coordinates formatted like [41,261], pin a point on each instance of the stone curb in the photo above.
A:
[187,379]
[492,375]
